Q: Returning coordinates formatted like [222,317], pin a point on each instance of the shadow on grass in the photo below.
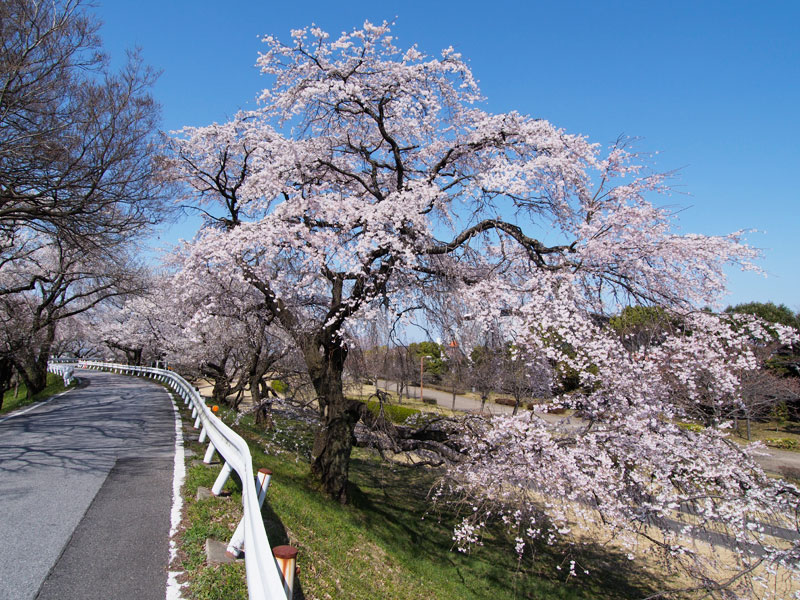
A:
[279,536]
[792,427]
[389,534]
[392,502]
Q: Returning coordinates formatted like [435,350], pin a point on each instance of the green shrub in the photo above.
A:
[697,428]
[783,443]
[394,412]
[279,386]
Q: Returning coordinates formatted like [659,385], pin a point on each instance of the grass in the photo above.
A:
[393,412]
[384,544]
[365,393]
[214,518]
[55,385]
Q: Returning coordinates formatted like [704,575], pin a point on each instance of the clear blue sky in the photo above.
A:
[713,86]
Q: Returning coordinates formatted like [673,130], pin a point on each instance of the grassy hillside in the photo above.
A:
[55,385]
[386,543]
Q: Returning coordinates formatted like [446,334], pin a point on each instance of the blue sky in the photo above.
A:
[714,87]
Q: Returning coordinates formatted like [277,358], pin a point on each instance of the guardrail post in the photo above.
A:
[209,453]
[237,540]
[221,479]
[286,557]
[203,435]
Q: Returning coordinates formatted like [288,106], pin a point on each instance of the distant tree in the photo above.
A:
[768,390]
[768,311]
[430,356]
[641,326]
[485,370]
[401,369]
[524,376]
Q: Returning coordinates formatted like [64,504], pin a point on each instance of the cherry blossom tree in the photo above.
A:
[370,173]
[140,327]
[655,486]
[68,282]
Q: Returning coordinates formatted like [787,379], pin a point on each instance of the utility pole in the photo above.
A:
[421,370]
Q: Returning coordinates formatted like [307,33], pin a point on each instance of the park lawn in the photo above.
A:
[771,433]
[385,544]
[55,385]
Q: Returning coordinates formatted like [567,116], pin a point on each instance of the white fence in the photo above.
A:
[265,578]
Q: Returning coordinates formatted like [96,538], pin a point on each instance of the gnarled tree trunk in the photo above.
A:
[330,457]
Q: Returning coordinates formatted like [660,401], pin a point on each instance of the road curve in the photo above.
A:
[86,491]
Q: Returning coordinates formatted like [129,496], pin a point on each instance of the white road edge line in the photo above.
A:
[173,591]
[37,405]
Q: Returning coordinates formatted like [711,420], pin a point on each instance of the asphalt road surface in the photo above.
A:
[86,491]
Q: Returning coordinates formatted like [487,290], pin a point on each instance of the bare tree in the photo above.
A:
[524,376]
[79,174]
[77,146]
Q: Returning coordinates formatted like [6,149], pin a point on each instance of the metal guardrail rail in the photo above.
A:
[266,580]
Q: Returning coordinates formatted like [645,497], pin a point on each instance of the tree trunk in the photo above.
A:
[330,457]
[219,393]
[34,369]
[34,375]
[517,393]
[134,356]
[222,384]
[6,374]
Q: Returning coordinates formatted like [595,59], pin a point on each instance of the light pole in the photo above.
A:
[421,371]
[453,346]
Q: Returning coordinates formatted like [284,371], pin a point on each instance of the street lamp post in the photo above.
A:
[453,346]
[421,371]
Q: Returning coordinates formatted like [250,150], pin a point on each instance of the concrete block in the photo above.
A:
[217,553]
[204,493]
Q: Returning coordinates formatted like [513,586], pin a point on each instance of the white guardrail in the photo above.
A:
[270,572]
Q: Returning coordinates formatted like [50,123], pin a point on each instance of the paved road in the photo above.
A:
[86,491]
